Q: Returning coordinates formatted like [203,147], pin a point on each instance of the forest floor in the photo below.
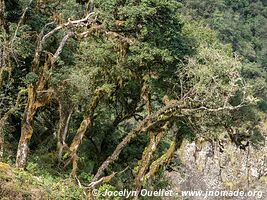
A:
[24,185]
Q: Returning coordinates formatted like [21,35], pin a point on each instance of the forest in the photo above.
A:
[109,95]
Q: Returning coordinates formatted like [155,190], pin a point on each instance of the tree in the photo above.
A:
[129,76]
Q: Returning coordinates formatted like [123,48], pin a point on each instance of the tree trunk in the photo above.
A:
[65,116]
[146,158]
[1,143]
[166,157]
[2,137]
[158,119]
[27,123]
[2,48]
[26,129]
[85,124]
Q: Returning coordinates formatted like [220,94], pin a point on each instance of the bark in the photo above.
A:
[26,129]
[43,38]
[171,111]
[147,157]
[65,115]
[2,138]
[33,103]
[2,21]
[60,47]
[152,119]
[154,140]
[84,126]
[27,124]
[165,158]
[145,125]
[2,11]
[3,52]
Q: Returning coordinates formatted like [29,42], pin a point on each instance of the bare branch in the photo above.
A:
[61,46]
[74,23]
[102,180]
[20,22]
[69,23]
[105,179]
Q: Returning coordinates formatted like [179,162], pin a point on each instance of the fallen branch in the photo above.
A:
[101,181]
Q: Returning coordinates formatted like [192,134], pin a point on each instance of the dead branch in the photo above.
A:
[74,23]
[61,46]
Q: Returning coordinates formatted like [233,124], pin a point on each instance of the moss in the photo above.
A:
[164,159]
[263,179]
[230,185]
[4,167]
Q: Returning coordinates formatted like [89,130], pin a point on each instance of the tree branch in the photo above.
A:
[20,22]
[74,23]
[61,46]
[162,115]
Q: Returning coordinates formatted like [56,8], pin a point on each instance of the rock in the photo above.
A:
[208,167]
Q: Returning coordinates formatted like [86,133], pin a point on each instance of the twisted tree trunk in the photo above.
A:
[146,158]
[26,129]
[166,157]
[32,106]
[84,126]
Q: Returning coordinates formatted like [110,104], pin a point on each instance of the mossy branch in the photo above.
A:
[154,120]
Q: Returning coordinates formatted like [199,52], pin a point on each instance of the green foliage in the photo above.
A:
[43,185]
[31,78]
[102,192]
[242,25]
[206,54]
